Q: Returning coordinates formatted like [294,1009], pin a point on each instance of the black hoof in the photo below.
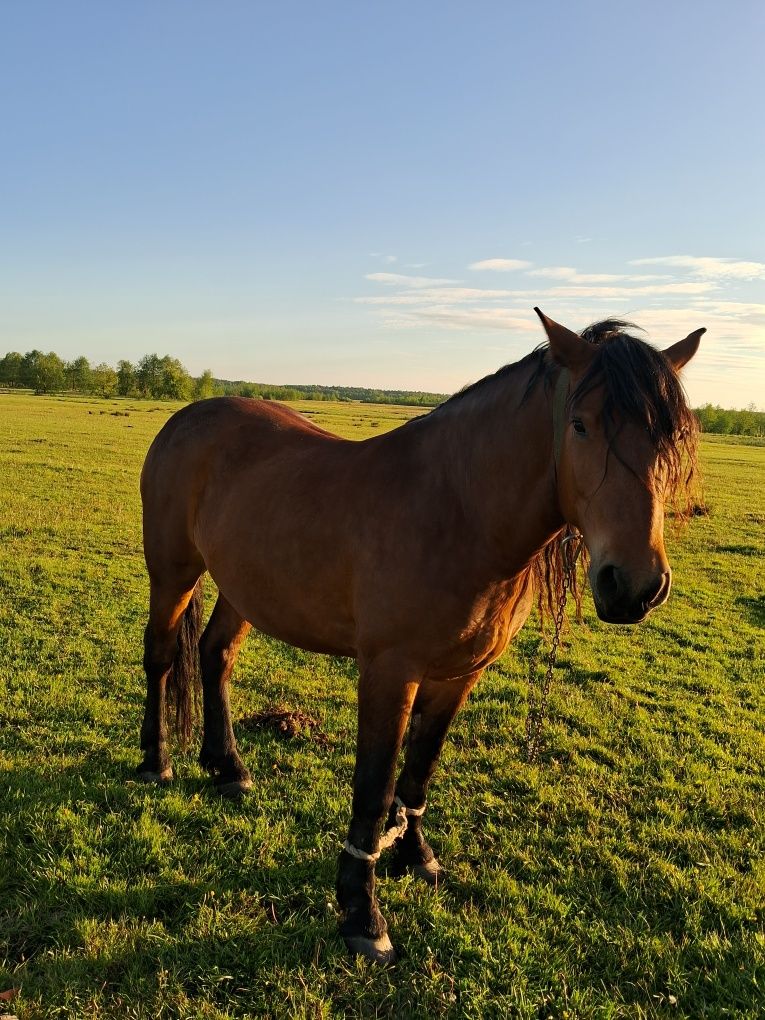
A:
[235,788]
[378,950]
[432,872]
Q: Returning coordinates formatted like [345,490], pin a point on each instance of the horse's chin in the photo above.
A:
[623,619]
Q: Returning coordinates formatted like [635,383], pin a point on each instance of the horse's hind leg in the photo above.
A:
[167,606]
[219,648]
[437,703]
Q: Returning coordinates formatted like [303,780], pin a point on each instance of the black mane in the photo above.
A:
[642,386]
[536,355]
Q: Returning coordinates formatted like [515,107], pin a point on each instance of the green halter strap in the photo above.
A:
[559,413]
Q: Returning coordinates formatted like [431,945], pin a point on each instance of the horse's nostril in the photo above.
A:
[609,586]
[650,595]
[656,594]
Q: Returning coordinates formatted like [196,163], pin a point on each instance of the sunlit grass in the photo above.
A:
[623,876]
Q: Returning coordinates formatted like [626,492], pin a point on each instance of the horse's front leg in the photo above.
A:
[435,707]
[387,689]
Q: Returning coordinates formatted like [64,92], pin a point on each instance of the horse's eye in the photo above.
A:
[579,426]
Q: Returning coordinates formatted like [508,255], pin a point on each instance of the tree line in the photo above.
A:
[724,421]
[161,378]
[165,378]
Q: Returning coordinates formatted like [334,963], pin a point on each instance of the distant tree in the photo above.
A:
[10,369]
[204,386]
[29,368]
[726,422]
[78,375]
[706,415]
[127,381]
[103,380]
[175,381]
[149,375]
[44,373]
[752,421]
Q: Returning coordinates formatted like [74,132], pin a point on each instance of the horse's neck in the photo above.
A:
[501,462]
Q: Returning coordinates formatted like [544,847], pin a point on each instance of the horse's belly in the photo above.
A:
[311,631]
[309,611]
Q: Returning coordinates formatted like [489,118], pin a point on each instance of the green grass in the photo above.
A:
[623,876]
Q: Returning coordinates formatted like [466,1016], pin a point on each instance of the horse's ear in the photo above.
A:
[567,347]
[682,352]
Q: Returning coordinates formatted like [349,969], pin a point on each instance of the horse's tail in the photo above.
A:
[184,682]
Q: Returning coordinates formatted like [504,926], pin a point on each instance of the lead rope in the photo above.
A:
[539,693]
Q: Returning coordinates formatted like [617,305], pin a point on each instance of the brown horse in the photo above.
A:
[413,552]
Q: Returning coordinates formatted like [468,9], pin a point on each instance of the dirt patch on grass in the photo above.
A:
[288,723]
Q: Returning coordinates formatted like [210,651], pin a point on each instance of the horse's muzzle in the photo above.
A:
[616,600]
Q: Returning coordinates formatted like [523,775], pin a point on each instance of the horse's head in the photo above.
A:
[624,440]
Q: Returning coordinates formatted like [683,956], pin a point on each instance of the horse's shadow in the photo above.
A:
[48,903]
[276,914]
[755,607]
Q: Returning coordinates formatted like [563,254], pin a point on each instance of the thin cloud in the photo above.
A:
[572,275]
[421,289]
[596,293]
[501,265]
[554,272]
[443,295]
[734,309]
[402,280]
[707,267]
[449,317]
[476,318]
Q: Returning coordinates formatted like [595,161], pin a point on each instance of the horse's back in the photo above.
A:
[207,422]
[221,425]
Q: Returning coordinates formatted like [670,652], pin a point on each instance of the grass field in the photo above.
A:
[622,876]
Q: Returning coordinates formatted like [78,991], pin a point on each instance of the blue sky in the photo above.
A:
[378,194]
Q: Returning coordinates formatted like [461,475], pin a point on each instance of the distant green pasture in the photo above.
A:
[622,877]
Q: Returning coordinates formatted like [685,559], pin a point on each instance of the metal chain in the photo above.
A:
[570,546]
